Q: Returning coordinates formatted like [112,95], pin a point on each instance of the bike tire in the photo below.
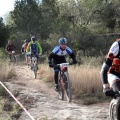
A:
[67,87]
[35,68]
[13,58]
[61,90]
[112,109]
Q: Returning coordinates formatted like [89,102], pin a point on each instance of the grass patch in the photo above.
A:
[45,73]
[3,92]
[88,99]
[6,71]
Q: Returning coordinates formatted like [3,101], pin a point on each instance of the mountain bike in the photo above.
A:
[114,108]
[12,57]
[64,82]
[33,64]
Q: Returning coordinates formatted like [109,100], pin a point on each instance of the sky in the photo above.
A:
[6,6]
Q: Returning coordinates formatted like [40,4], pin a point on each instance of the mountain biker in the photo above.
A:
[58,56]
[23,49]
[34,47]
[110,72]
[10,48]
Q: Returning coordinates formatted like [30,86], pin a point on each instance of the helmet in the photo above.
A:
[26,40]
[9,41]
[33,38]
[62,40]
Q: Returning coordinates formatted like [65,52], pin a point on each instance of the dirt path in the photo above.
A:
[43,103]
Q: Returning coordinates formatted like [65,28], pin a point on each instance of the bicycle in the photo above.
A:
[64,82]
[114,107]
[12,57]
[33,64]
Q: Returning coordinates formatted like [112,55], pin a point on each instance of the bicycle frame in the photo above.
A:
[61,80]
[12,56]
[62,71]
[33,64]
[64,81]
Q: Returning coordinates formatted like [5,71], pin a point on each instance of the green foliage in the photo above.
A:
[50,11]
[4,33]
[3,92]
[26,15]
[77,20]
[2,53]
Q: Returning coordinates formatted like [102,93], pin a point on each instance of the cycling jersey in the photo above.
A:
[24,47]
[112,63]
[113,59]
[58,55]
[61,52]
[34,47]
[10,47]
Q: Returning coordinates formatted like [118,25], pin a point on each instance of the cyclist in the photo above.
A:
[10,48]
[58,56]
[110,72]
[23,49]
[34,47]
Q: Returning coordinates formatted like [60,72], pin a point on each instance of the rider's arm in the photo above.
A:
[108,62]
[22,48]
[72,55]
[39,47]
[50,57]
[6,48]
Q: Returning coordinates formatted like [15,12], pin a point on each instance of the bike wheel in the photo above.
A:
[13,58]
[61,90]
[112,109]
[35,68]
[67,86]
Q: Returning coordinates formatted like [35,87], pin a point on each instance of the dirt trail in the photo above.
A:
[44,102]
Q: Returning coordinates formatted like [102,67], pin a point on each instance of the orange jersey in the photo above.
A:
[115,65]
[25,47]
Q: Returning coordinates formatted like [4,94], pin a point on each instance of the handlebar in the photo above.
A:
[116,93]
[61,65]
[12,52]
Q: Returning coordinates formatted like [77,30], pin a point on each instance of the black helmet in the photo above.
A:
[33,38]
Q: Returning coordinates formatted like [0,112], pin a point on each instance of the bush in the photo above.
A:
[3,53]
[3,92]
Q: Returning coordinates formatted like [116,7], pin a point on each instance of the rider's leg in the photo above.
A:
[37,54]
[56,72]
[26,59]
[116,85]
[10,57]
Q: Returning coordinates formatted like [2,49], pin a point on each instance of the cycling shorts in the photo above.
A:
[111,78]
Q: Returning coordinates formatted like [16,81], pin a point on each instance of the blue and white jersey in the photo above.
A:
[60,52]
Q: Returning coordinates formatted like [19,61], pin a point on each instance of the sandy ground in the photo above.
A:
[47,106]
